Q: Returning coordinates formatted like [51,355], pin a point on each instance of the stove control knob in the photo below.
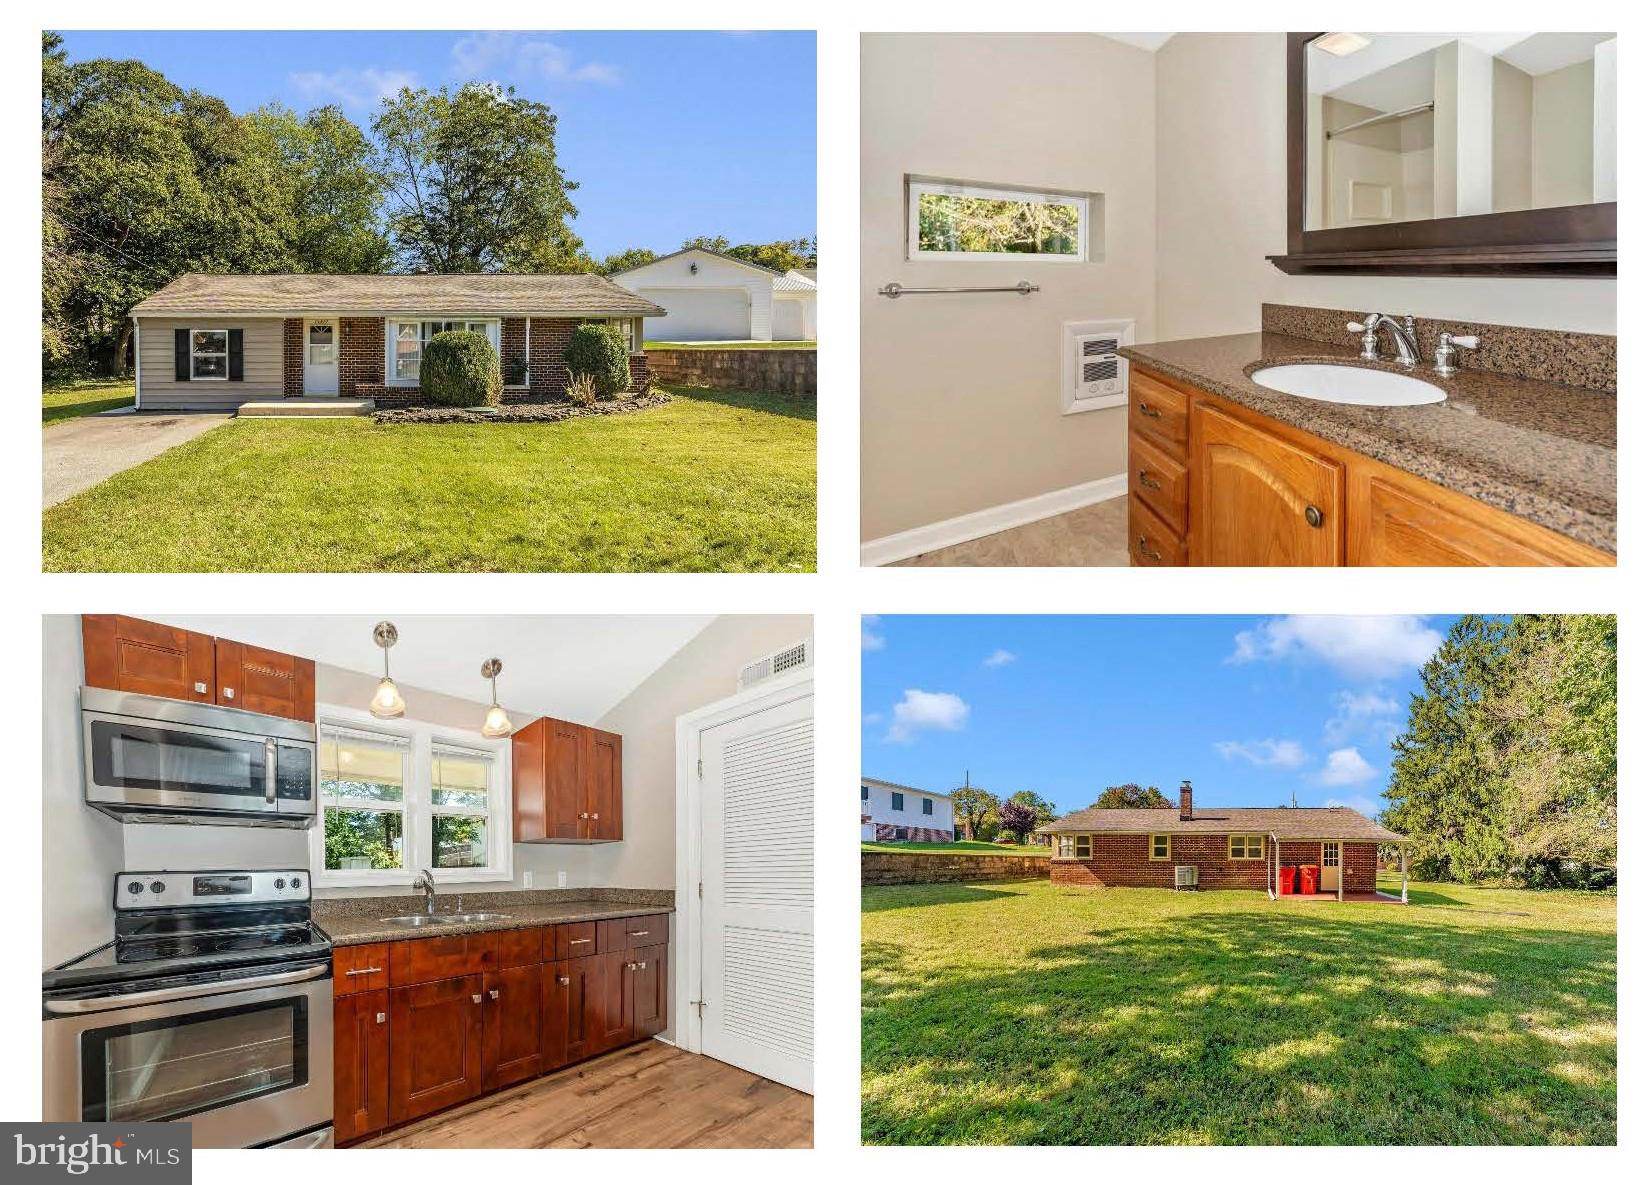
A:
[296,882]
[157,886]
[135,888]
[279,882]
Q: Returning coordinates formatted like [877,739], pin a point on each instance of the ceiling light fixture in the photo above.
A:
[1342,44]
[386,704]
[497,722]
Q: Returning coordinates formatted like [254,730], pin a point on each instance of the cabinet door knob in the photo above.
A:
[382,1017]
[1315,516]
[642,966]
[595,815]
[228,693]
[1147,553]
[1147,481]
[584,815]
[199,689]
[633,966]
[1148,410]
[476,997]
[565,981]
[496,992]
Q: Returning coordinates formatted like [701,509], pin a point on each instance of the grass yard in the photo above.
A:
[713,481]
[730,345]
[966,846]
[1025,1013]
[68,399]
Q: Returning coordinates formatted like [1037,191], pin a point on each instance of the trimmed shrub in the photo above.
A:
[597,350]
[580,390]
[460,370]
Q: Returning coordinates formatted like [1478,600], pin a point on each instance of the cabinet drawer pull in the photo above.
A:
[584,815]
[1148,410]
[476,997]
[362,971]
[1147,553]
[638,933]
[580,941]
[642,966]
[632,966]
[496,992]
[382,1018]
[1315,516]
[565,981]
[595,815]
[1147,481]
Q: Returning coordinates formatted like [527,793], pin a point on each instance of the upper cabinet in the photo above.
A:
[568,783]
[128,654]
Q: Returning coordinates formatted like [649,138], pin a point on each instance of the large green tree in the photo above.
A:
[1131,795]
[474,182]
[781,256]
[334,189]
[622,261]
[977,808]
[1044,812]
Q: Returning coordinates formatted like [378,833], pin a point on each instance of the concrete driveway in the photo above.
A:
[83,452]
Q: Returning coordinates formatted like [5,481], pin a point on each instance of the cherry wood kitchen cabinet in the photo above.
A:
[360,1064]
[573,994]
[436,1055]
[568,783]
[513,1025]
[129,654]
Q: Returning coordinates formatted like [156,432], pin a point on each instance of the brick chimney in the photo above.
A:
[1185,800]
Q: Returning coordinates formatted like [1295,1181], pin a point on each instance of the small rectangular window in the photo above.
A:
[1245,847]
[925,807]
[362,787]
[1159,847]
[960,220]
[208,354]
[896,801]
[865,793]
[1082,847]
[322,345]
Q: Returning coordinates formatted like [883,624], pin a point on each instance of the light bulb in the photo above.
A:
[387,704]
[497,723]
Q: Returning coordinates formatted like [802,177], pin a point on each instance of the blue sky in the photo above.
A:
[669,135]
[1250,709]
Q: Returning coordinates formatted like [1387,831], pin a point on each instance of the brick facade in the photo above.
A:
[291,355]
[359,356]
[513,343]
[887,833]
[1118,859]
[549,338]
[639,370]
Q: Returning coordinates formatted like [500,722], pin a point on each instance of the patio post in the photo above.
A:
[1404,883]
[1342,853]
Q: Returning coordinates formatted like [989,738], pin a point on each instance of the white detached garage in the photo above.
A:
[714,297]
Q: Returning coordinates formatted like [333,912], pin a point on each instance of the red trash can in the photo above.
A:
[1287,880]
[1310,878]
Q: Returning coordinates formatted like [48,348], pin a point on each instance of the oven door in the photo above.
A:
[247,1065]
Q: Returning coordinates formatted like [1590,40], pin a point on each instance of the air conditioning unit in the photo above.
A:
[1093,373]
[1187,876]
[791,658]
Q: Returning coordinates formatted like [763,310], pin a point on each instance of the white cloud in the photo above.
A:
[1285,754]
[352,88]
[1361,647]
[1369,714]
[921,710]
[1365,806]
[873,717]
[999,658]
[522,58]
[872,639]
[1345,767]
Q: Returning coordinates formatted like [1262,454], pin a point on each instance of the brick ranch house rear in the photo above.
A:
[1229,847]
[216,341]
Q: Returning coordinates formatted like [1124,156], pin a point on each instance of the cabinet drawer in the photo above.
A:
[359,968]
[1153,544]
[1161,481]
[1159,411]
[575,940]
[620,934]
[520,948]
[420,960]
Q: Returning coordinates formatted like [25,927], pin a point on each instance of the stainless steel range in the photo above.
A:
[212,1005]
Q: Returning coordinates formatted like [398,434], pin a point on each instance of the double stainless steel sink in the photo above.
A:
[442,919]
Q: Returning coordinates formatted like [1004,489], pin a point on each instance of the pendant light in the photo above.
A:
[497,723]
[386,704]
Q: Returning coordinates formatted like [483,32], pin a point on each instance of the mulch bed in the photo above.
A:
[518,413]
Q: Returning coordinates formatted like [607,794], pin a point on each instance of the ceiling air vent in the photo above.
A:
[1093,373]
[793,658]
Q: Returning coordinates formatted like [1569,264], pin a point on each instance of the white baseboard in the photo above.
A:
[890,548]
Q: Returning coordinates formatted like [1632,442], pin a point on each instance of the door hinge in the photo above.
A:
[699,767]
[699,890]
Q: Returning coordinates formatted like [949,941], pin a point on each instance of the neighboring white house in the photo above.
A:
[713,297]
[891,812]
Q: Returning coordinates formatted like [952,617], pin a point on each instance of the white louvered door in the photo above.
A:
[757,793]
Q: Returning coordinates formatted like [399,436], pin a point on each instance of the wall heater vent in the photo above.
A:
[791,658]
[1093,373]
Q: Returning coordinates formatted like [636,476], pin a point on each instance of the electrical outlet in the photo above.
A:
[528,878]
[562,878]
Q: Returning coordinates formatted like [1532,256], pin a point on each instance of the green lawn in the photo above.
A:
[67,399]
[730,345]
[1033,1014]
[963,845]
[713,481]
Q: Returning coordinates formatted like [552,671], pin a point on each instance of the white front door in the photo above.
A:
[756,987]
[320,356]
[1330,865]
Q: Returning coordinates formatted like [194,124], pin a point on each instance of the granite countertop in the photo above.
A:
[358,920]
[1543,451]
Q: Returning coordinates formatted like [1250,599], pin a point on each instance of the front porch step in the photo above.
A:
[307,405]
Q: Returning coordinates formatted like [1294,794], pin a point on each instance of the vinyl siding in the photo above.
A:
[263,364]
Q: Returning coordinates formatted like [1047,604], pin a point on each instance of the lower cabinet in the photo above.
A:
[435,1046]
[573,994]
[513,1026]
[360,1070]
[635,991]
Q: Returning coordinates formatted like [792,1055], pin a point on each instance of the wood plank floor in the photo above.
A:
[646,1096]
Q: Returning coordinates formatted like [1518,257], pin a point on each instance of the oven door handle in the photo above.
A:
[197,991]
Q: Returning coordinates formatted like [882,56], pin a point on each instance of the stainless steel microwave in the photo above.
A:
[152,760]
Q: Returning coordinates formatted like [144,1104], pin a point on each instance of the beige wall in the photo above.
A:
[1562,140]
[264,362]
[1221,153]
[1510,137]
[961,402]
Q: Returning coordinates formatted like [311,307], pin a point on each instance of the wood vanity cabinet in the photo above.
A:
[129,654]
[360,1064]
[568,783]
[1216,484]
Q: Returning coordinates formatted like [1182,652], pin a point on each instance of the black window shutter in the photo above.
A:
[179,339]
[236,355]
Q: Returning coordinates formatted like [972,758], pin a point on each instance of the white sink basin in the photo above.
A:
[1347,384]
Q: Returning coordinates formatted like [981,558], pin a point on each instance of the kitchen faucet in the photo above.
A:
[425,882]
[1404,335]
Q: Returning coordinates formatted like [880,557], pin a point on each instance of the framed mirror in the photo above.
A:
[1451,153]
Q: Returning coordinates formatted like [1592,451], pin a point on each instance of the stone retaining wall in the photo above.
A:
[782,372]
[897,868]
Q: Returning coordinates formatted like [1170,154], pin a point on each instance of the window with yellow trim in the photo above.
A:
[1245,847]
[1159,847]
[1073,847]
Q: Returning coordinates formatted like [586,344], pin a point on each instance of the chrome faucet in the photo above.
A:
[1404,335]
[1445,357]
[425,882]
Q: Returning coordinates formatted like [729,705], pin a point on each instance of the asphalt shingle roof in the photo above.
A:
[493,294]
[1287,822]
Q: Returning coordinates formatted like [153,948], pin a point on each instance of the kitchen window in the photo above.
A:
[208,354]
[406,339]
[1245,847]
[1073,847]
[959,220]
[399,798]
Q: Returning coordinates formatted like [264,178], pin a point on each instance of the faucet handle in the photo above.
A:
[1356,327]
[1468,341]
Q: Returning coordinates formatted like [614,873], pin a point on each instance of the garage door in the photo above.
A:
[698,314]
